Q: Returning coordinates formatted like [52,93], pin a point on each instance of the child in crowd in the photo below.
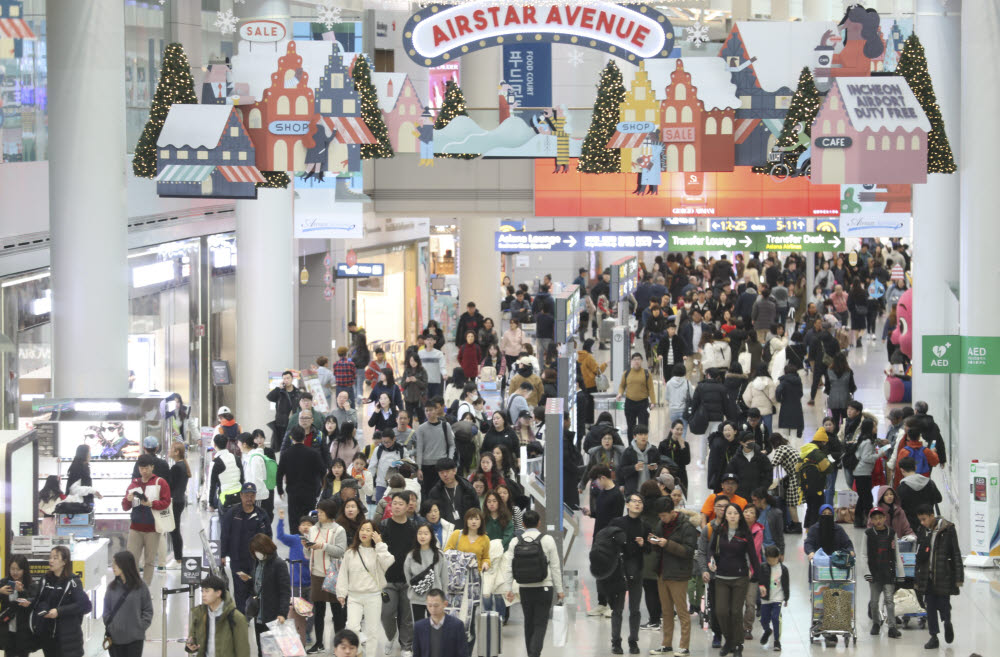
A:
[773,593]
[301,578]
[880,553]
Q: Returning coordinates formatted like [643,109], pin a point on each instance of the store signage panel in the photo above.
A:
[758,225]
[360,270]
[747,241]
[582,241]
[262,31]
[527,70]
[636,127]
[624,277]
[892,224]
[288,127]
[833,142]
[438,33]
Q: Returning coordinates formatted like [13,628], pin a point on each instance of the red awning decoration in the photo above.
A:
[350,130]
[15,28]
[627,139]
[243,174]
[743,129]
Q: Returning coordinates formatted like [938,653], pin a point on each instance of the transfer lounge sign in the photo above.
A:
[439,33]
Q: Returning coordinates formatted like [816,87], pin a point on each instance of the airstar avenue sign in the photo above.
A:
[688,241]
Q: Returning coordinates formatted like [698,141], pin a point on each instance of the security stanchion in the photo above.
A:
[164,594]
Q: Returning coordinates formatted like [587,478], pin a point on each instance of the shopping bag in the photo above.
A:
[838,610]
[164,520]
[281,640]
[560,626]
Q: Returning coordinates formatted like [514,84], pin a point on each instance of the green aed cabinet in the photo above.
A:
[961,354]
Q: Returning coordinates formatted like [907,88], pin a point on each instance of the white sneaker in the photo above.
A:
[389,645]
[173,564]
[607,612]
[406,653]
[598,610]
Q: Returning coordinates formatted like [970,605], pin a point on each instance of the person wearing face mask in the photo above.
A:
[272,588]
[723,448]
[828,535]
[751,466]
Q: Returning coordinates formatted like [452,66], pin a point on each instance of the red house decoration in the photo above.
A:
[282,123]
[870,130]
[12,23]
[401,109]
[694,139]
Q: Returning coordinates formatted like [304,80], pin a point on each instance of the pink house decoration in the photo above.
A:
[401,109]
[870,130]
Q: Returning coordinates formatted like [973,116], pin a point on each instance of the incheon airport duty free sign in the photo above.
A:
[439,33]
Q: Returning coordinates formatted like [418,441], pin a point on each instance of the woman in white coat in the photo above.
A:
[362,578]
[760,394]
[715,351]
[776,343]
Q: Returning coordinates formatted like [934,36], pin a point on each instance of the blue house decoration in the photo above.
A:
[204,151]
[13,26]
[339,108]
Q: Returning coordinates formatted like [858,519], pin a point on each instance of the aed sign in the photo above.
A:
[439,33]
[288,127]
[683,134]
[262,31]
[961,354]
[833,142]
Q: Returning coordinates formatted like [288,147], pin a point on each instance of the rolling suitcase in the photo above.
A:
[488,634]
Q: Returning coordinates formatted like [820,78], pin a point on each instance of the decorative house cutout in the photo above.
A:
[204,151]
[401,109]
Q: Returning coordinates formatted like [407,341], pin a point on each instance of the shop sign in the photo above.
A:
[748,241]
[674,135]
[635,127]
[440,32]
[891,224]
[833,142]
[961,354]
[360,270]
[283,128]
[527,70]
[582,241]
[262,31]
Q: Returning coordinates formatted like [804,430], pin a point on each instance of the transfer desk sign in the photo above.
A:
[750,241]
[440,32]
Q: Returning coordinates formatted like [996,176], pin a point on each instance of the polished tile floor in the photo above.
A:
[976,611]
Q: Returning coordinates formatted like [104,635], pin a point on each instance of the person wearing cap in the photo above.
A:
[145,494]
[230,429]
[880,555]
[813,470]
[730,482]
[240,524]
[151,445]
[751,466]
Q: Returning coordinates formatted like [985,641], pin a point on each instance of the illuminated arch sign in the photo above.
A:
[440,33]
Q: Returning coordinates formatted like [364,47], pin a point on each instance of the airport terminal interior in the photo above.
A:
[700,295]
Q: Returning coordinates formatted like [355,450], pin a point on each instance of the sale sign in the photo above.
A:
[438,33]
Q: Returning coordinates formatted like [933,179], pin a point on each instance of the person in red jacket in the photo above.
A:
[147,493]
[925,458]
[470,355]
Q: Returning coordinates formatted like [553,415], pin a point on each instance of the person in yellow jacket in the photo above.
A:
[472,538]
[589,367]
[637,388]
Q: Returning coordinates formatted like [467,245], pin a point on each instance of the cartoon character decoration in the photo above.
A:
[898,380]
[217,87]
[855,52]
[506,100]
[903,334]
[425,137]
[649,165]
[553,122]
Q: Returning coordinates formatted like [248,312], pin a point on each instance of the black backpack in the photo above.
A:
[529,564]
[606,552]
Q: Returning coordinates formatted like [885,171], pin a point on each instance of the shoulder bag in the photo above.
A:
[111,617]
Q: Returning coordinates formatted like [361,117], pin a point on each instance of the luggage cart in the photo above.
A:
[833,595]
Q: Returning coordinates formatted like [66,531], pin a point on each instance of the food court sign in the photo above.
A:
[439,33]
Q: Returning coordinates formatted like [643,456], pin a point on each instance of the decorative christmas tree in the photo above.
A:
[453,105]
[175,86]
[274,180]
[370,112]
[803,109]
[913,67]
[595,157]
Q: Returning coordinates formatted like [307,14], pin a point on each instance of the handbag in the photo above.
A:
[118,605]
[330,580]
[601,382]
[842,559]
[423,582]
[164,520]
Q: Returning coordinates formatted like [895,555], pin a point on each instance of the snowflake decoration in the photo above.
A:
[225,21]
[328,15]
[575,57]
[162,2]
[697,34]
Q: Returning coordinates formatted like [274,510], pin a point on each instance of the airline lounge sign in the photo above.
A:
[439,33]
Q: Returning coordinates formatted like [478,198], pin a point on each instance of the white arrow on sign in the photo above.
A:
[747,241]
[660,241]
[571,240]
[836,241]
[715,226]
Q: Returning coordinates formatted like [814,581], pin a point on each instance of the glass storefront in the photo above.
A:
[166,291]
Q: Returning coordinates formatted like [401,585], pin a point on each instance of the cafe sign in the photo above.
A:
[439,33]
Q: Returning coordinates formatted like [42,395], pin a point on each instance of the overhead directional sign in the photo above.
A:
[360,270]
[752,225]
[748,241]
[582,241]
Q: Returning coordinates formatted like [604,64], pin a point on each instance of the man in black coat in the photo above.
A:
[471,320]
[286,401]
[454,494]
[753,468]
[301,472]
[671,348]
[744,304]
[711,400]
[755,426]
[822,343]
[240,524]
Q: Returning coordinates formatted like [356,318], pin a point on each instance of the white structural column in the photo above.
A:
[183,23]
[86,52]
[815,10]
[479,266]
[936,203]
[265,311]
[979,234]
[741,10]
[480,82]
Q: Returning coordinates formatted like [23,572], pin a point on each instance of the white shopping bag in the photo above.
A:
[560,626]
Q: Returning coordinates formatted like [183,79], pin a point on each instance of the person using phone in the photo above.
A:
[16,594]
[60,607]
[146,494]
[217,622]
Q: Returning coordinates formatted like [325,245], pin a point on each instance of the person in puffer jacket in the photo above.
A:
[677,393]
[760,394]
[641,461]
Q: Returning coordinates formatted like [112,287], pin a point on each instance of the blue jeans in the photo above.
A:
[770,614]
[831,486]
[679,415]
[768,421]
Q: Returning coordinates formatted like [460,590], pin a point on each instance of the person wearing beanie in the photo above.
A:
[813,474]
